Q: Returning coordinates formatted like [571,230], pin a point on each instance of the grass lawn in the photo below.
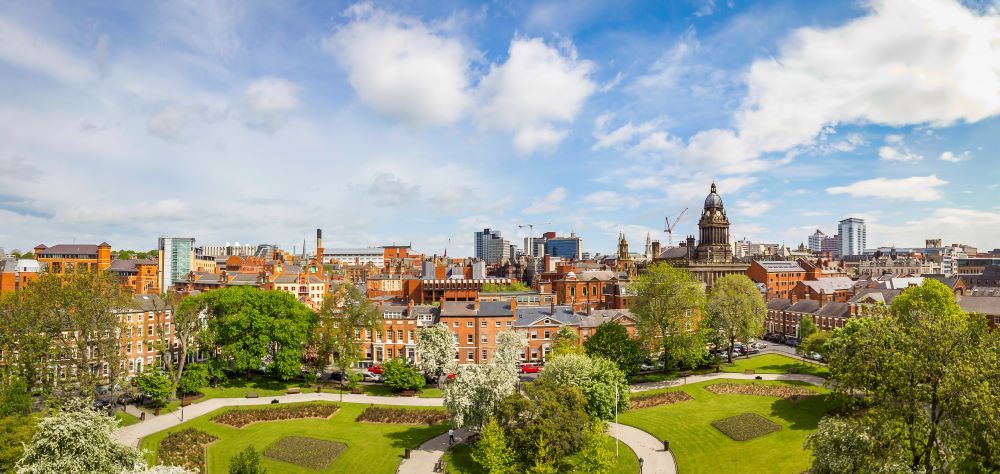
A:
[371,447]
[126,418]
[460,459]
[774,364]
[700,447]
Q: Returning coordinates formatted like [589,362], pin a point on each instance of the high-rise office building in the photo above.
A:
[534,246]
[816,241]
[853,236]
[176,260]
[570,248]
[482,239]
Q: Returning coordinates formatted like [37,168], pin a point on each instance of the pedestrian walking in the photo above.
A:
[451,437]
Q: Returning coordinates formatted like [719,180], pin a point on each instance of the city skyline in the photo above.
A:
[258,124]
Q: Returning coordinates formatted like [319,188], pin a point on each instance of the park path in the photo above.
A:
[423,459]
[130,435]
[646,447]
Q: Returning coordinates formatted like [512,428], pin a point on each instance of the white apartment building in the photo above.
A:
[853,236]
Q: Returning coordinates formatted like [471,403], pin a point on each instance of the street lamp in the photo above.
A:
[617,429]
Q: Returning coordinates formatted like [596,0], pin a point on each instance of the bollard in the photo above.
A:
[406,453]
[666,445]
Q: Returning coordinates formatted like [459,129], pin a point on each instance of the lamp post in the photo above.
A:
[617,429]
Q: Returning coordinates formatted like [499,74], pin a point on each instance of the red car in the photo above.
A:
[375,369]
[530,369]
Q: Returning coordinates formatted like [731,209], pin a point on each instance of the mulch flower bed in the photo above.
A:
[403,416]
[745,426]
[312,453]
[781,391]
[186,449]
[666,398]
[242,417]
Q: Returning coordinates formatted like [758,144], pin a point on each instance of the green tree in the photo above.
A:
[546,411]
[842,446]
[15,433]
[155,384]
[492,452]
[195,377]
[566,341]
[928,374]
[816,343]
[400,375]
[343,319]
[668,304]
[595,457]
[504,287]
[806,328]
[436,350]
[15,399]
[248,326]
[612,341]
[735,310]
[246,462]
[600,380]
[77,439]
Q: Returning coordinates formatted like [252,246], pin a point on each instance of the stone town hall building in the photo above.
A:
[712,257]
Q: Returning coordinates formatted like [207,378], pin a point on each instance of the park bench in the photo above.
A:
[749,372]
[294,390]
[252,395]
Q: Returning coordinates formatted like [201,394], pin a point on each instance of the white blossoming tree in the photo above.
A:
[477,390]
[436,350]
[596,377]
[77,439]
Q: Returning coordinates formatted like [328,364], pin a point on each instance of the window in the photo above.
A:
[468,324]
[498,323]
[454,324]
[534,334]
[548,334]
[410,335]
[150,316]
[483,339]
[149,330]
[484,355]
[399,335]
[470,339]
[471,355]
[508,324]
[456,355]
[482,324]
[167,328]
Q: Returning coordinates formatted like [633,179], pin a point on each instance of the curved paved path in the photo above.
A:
[820,381]
[646,447]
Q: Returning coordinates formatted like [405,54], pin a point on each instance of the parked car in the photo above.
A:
[375,369]
[101,404]
[647,367]
[813,356]
[370,377]
[792,341]
[758,345]
[753,351]
[530,369]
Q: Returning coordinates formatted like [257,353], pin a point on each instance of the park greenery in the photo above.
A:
[566,341]
[669,302]
[155,384]
[343,319]
[401,375]
[601,382]
[513,286]
[735,310]
[928,373]
[435,350]
[478,389]
[611,341]
[246,462]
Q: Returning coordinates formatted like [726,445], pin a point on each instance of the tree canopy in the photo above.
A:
[669,302]
[343,319]
[435,350]
[612,341]
[400,375]
[736,310]
[566,341]
[598,379]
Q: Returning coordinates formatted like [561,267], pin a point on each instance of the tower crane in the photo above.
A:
[531,235]
[669,228]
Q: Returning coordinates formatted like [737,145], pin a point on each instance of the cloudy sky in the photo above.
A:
[421,121]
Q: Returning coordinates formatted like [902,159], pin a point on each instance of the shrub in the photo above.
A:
[399,375]
[654,400]
[195,377]
[307,452]
[745,426]
[780,391]
[403,416]
[242,417]
[186,449]
[247,462]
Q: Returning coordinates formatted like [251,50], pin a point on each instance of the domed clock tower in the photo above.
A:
[713,232]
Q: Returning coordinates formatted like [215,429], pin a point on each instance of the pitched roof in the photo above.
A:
[880,295]
[62,249]
[673,253]
[600,316]
[779,303]
[834,308]
[129,265]
[529,315]
[804,306]
[772,266]
[980,304]
[829,285]
[467,308]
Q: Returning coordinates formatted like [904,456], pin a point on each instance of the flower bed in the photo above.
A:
[745,426]
[781,391]
[666,398]
[242,417]
[312,453]
[186,449]
[403,416]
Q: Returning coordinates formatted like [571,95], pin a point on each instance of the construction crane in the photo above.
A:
[531,236]
[669,228]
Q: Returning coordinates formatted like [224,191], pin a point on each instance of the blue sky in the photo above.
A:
[424,121]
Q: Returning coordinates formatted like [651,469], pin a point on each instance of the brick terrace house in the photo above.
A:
[476,326]
[778,277]
[64,258]
[398,335]
[136,274]
[146,324]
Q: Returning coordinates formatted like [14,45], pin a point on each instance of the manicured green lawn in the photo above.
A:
[460,459]
[774,364]
[371,447]
[699,447]
[126,418]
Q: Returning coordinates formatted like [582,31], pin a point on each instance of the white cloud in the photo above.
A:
[210,28]
[168,122]
[916,188]
[953,158]
[609,200]
[904,155]
[752,208]
[549,203]
[623,134]
[953,225]
[389,190]
[29,50]
[402,68]
[268,101]
[537,87]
